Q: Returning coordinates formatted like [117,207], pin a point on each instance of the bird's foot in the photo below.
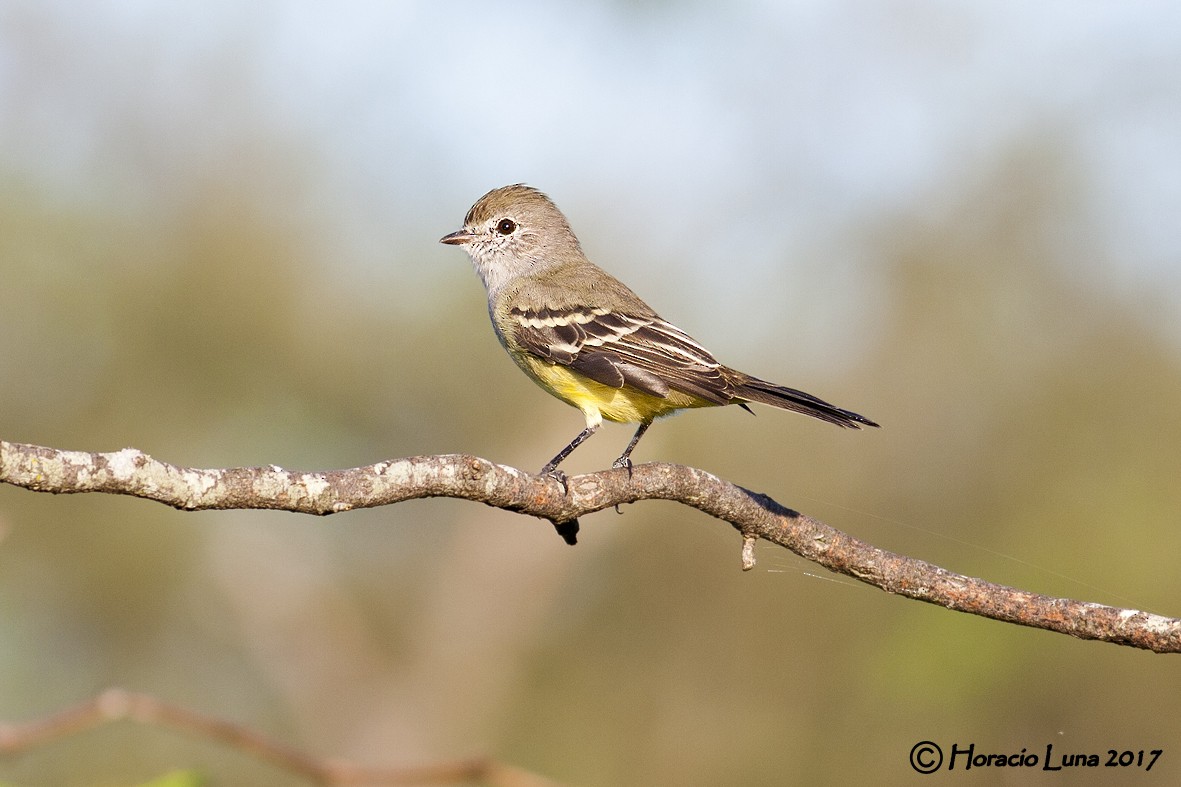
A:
[557,475]
[567,530]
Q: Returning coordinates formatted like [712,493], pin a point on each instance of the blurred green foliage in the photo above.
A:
[1030,433]
[1029,438]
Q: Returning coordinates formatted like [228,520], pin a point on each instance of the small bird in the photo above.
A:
[587,339]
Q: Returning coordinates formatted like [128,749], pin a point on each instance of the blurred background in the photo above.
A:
[218,244]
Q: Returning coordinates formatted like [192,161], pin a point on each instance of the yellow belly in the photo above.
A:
[598,401]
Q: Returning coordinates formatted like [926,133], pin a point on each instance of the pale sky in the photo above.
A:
[679,133]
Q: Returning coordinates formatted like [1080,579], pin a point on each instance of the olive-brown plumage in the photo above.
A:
[586,338]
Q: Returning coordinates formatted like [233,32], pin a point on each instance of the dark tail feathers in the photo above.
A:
[752,389]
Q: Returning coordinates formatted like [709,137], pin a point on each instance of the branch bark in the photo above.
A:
[755,516]
[116,704]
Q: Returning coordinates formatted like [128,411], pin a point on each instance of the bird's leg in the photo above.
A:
[625,459]
[551,467]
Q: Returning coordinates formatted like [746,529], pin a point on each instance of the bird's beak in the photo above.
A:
[457,238]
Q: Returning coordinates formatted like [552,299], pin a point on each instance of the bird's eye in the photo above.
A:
[506,227]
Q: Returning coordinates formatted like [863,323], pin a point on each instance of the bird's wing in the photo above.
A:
[616,349]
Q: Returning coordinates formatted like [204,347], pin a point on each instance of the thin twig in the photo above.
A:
[117,705]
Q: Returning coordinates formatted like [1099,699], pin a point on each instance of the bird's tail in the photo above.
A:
[752,389]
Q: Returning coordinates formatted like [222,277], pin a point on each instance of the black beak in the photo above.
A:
[457,238]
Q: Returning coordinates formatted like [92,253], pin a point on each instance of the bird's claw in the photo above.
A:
[568,530]
[557,475]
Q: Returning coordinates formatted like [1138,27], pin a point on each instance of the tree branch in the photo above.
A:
[755,516]
[117,704]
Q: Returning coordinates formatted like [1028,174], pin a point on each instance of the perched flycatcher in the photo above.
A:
[586,338]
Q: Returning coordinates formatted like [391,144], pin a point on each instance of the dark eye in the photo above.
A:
[506,227]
